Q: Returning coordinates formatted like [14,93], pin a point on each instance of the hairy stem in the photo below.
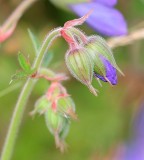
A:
[22,100]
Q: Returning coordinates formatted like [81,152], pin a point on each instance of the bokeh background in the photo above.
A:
[104,122]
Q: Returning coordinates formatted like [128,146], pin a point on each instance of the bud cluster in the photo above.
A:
[88,57]
[58,109]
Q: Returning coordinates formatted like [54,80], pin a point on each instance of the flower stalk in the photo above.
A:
[22,100]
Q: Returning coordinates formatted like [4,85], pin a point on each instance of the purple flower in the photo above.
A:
[110,3]
[134,149]
[105,19]
[111,74]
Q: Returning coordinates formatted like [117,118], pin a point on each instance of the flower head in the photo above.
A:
[134,148]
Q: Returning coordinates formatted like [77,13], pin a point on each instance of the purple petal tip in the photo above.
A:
[111,75]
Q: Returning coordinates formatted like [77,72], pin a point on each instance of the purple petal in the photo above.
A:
[110,72]
[109,3]
[105,20]
[134,151]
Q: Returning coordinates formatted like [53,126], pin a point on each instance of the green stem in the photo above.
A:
[22,100]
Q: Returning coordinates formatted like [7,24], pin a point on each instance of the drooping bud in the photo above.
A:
[66,106]
[58,125]
[104,62]
[80,66]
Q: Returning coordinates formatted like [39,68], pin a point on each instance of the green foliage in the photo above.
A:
[27,70]
[35,41]
[25,65]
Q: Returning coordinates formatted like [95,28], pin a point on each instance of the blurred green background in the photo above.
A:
[104,120]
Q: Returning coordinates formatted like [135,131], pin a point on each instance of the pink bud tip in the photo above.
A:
[78,21]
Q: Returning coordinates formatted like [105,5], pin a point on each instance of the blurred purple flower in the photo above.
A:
[134,150]
[111,75]
[105,19]
[110,3]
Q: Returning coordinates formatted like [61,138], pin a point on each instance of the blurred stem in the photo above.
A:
[135,54]
[22,100]
[17,13]
[127,39]
[10,89]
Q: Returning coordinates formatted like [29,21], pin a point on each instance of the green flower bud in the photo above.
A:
[98,47]
[66,106]
[80,65]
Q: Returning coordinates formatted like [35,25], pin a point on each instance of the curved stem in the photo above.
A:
[22,100]
[17,13]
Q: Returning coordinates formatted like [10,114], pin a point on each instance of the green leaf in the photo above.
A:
[35,41]
[18,76]
[24,63]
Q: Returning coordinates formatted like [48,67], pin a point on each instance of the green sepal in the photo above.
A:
[41,105]
[66,106]
[99,45]
[98,64]
[65,129]
[25,65]
[54,121]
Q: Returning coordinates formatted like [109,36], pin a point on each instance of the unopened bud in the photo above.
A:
[101,48]
[104,62]
[80,65]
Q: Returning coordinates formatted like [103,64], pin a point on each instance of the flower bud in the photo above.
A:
[81,67]
[66,106]
[104,62]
